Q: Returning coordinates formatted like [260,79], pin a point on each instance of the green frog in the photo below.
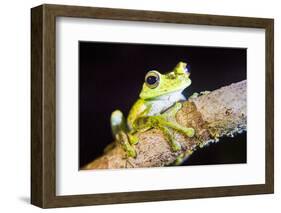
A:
[160,93]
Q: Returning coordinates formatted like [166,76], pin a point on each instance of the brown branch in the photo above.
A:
[221,112]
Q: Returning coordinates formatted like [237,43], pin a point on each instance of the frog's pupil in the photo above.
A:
[151,80]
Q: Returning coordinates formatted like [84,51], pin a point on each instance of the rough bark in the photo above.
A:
[221,112]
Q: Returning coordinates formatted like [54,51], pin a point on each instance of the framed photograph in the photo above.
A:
[135,106]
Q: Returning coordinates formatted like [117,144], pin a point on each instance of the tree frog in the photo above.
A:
[160,93]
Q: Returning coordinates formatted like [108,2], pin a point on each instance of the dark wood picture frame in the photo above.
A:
[43,105]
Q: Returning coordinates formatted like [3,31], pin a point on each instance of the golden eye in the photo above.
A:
[152,79]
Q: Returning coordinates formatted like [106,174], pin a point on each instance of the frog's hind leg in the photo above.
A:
[119,131]
[170,120]
[173,143]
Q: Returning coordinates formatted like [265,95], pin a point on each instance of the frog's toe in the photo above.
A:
[178,105]
[123,140]
[190,132]
[205,92]
[133,139]
[179,160]
[194,95]
[131,152]
[175,146]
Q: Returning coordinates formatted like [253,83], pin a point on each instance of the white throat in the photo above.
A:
[163,102]
[172,97]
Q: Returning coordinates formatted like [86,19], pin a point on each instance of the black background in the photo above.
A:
[111,77]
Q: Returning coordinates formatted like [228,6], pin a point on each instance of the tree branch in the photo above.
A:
[219,113]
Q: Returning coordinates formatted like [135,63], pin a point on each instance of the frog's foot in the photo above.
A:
[173,143]
[194,95]
[164,125]
[189,132]
[182,157]
[123,139]
[133,139]
[206,92]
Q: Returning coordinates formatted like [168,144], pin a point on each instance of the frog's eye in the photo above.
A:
[152,79]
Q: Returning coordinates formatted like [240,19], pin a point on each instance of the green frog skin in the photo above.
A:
[160,93]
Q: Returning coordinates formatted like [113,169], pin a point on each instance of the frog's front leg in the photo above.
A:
[165,125]
[119,131]
[138,127]
[165,122]
[170,120]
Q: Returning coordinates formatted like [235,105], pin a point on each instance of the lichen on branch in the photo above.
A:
[221,112]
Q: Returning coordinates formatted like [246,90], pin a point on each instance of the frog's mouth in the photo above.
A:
[159,93]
